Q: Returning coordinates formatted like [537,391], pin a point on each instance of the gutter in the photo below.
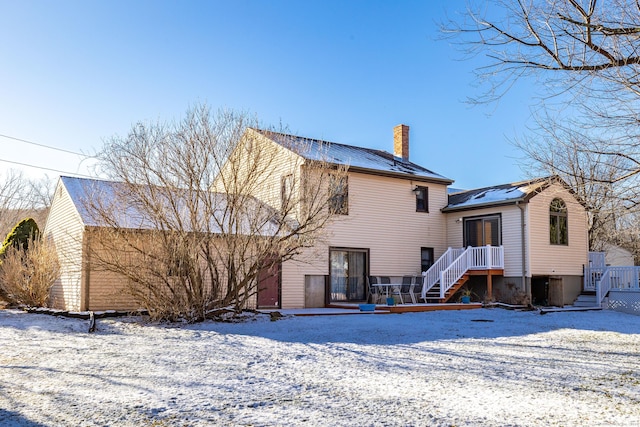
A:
[400,175]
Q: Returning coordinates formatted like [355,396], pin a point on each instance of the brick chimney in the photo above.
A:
[401,142]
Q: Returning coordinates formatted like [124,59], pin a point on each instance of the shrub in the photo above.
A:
[26,276]
[22,234]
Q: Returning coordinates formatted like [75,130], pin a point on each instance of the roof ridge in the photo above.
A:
[324,141]
[370,160]
[513,184]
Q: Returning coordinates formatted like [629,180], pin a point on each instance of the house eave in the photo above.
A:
[399,175]
[485,205]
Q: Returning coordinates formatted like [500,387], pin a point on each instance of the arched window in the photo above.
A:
[558,230]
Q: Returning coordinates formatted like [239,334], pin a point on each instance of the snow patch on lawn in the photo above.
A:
[435,368]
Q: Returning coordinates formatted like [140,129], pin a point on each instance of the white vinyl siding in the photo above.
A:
[64,228]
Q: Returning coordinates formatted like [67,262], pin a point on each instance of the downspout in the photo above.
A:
[527,288]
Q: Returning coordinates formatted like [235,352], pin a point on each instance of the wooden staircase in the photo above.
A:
[433,295]
[452,270]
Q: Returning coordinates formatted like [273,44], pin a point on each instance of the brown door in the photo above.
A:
[269,286]
[556,292]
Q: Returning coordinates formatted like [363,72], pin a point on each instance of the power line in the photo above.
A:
[47,169]
[45,146]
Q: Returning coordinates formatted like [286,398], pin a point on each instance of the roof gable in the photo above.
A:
[356,158]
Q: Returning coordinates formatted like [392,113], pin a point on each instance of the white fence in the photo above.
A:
[625,301]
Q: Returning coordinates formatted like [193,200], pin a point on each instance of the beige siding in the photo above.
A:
[107,290]
[65,230]
[382,218]
[313,261]
[266,163]
[618,256]
[112,290]
[542,258]
[548,259]
[511,233]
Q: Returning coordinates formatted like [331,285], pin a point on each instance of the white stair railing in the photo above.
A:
[455,262]
[432,276]
[456,270]
[603,286]
[473,258]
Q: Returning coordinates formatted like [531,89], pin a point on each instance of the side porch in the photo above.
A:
[615,287]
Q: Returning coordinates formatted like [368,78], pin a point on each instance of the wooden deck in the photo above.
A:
[410,308]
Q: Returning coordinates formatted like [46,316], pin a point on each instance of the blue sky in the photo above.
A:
[75,73]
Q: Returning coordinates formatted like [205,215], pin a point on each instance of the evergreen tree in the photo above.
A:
[23,233]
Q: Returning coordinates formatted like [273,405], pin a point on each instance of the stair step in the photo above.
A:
[584,304]
[585,300]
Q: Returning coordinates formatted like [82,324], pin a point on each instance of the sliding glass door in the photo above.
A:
[348,274]
[482,231]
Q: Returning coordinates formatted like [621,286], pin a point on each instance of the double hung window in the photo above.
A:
[338,195]
[422,199]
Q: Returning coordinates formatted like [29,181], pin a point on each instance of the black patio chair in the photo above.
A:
[388,290]
[405,289]
[416,292]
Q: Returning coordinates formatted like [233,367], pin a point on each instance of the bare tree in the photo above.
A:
[582,55]
[200,209]
[557,150]
[568,45]
[21,197]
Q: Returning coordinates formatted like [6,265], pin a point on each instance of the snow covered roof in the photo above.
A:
[496,195]
[103,203]
[356,158]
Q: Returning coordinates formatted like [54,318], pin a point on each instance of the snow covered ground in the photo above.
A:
[477,367]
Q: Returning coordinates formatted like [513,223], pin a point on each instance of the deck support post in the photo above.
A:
[489,286]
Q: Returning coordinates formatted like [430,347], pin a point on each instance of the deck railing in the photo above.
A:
[597,259]
[455,262]
[603,279]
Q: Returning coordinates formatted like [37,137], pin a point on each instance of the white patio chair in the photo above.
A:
[376,292]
